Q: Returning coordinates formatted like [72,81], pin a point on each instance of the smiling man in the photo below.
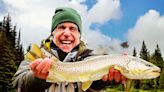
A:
[65,44]
[66,36]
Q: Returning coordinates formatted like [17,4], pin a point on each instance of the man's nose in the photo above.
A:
[67,32]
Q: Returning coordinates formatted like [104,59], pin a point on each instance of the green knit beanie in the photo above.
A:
[65,14]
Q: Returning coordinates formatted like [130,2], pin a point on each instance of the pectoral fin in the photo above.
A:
[86,85]
[84,77]
[129,85]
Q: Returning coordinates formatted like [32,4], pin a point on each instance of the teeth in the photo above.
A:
[66,42]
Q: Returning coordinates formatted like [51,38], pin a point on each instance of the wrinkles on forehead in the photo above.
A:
[72,25]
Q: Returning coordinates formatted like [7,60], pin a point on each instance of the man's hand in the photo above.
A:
[114,75]
[40,67]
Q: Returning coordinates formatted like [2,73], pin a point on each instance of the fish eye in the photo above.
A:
[148,65]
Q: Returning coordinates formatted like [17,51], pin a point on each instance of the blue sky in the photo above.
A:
[106,23]
[2,7]
[132,10]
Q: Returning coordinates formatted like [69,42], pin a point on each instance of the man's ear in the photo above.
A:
[52,33]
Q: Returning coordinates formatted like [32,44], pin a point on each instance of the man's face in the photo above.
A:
[66,36]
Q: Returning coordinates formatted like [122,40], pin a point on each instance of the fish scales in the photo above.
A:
[83,66]
[95,67]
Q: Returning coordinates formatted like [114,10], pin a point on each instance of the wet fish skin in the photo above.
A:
[95,67]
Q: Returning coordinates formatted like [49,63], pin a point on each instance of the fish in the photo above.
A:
[95,67]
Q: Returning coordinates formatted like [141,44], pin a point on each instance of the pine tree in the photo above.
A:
[9,54]
[161,80]
[7,65]
[19,49]
[7,25]
[157,59]
[13,36]
[144,54]
[134,52]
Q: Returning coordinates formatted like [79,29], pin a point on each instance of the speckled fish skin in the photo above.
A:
[95,67]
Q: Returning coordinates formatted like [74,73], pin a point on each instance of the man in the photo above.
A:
[65,44]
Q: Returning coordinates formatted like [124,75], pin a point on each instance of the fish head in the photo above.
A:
[137,68]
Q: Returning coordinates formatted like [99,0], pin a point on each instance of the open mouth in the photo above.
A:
[66,42]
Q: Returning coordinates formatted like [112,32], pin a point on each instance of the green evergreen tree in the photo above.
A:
[9,54]
[144,54]
[7,65]
[19,49]
[157,59]
[161,80]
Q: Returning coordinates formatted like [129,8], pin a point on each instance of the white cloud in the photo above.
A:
[105,10]
[34,18]
[149,28]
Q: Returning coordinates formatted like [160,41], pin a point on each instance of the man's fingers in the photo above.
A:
[117,76]
[105,77]
[40,67]
[41,76]
[111,74]
[35,63]
[47,66]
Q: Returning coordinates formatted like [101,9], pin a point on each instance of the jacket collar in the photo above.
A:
[49,46]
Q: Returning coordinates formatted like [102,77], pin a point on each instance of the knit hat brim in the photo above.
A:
[65,14]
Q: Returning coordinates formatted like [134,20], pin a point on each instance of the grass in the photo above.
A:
[134,90]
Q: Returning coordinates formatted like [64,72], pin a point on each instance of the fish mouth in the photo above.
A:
[151,73]
[156,72]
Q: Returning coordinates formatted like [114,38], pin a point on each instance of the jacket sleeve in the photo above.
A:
[24,81]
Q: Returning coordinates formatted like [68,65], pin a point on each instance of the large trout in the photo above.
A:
[95,67]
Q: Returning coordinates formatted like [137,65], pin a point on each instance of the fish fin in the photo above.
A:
[35,49]
[34,53]
[128,85]
[86,85]
[29,57]
[84,77]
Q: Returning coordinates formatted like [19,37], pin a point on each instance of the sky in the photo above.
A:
[106,23]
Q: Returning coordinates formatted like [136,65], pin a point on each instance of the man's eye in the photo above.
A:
[73,29]
[61,27]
